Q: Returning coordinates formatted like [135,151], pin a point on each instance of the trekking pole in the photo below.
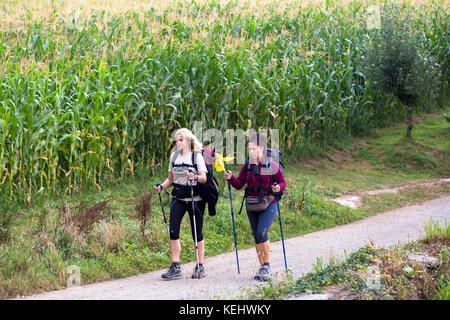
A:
[277,195]
[162,208]
[195,224]
[234,230]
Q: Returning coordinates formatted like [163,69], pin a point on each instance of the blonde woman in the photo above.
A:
[186,167]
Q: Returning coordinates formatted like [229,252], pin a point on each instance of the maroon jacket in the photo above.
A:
[253,181]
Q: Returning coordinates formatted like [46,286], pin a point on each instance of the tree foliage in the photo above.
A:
[397,62]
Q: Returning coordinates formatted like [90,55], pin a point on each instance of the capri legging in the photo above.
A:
[177,210]
[261,222]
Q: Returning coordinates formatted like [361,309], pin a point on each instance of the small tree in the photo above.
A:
[397,64]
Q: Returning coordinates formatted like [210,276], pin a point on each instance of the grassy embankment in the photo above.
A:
[412,271]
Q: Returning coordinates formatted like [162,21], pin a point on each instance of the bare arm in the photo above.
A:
[202,177]
[166,184]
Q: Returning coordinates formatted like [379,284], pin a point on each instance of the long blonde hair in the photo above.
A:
[189,136]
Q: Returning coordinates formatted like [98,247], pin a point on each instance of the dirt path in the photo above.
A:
[222,280]
[353,200]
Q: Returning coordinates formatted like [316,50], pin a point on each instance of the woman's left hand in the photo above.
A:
[191,176]
[276,188]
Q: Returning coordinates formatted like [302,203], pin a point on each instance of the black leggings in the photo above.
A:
[177,210]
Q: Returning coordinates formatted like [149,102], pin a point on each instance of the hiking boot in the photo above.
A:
[174,272]
[199,272]
[263,273]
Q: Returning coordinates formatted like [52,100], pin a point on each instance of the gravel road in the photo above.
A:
[223,281]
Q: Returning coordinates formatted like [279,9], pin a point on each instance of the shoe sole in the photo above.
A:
[178,276]
[261,278]
[198,277]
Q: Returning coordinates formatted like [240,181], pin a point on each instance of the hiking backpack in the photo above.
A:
[207,191]
[272,154]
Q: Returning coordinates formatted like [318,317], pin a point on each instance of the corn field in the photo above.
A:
[93,90]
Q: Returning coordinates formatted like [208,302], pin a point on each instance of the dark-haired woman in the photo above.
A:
[263,178]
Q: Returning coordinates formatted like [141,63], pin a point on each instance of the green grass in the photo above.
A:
[435,230]
[408,196]
[384,158]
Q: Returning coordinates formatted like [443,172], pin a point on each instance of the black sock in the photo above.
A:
[266,264]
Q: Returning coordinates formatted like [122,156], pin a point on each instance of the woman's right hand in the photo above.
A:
[228,175]
[158,188]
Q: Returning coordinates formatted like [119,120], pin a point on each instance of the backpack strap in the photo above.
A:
[193,158]
[259,189]
[242,203]
[246,168]
[261,192]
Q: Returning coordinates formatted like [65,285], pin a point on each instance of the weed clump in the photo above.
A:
[81,219]
[144,211]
